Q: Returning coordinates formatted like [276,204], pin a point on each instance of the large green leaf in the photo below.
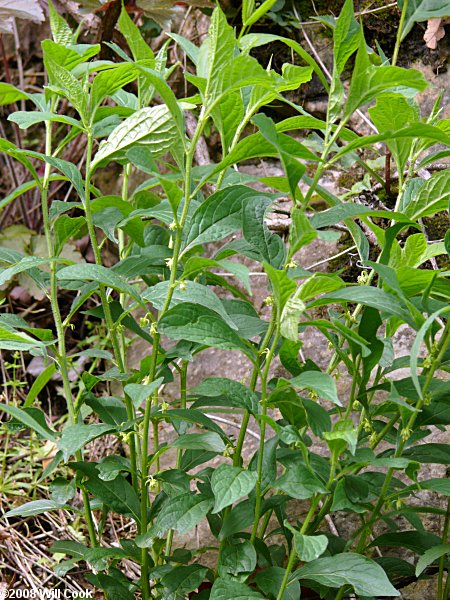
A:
[75,437]
[109,81]
[269,581]
[369,296]
[431,198]
[28,419]
[192,292]
[320,383]
[181,513]
[117,494]
[138,46]
[10,94]
[363,574]
[181,580]
[225,589]
[152,126]
[35,507]
[196,323]
[235,393]
[369,81]
[299,482]
[430,555]
[229,484]
[346,36]
[393,111]
[214,63]
[237,559]
[220,215]
[269,246]
[100,274]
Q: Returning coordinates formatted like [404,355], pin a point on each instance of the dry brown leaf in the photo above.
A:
[19,9]
[435,32]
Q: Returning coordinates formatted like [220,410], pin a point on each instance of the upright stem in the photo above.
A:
[62,354]
[105,303]
[179,224]
[444,341]
[399,33]
[260,463]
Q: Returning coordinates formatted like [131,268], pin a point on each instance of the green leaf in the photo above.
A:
[235,393]
[214,63]
[431,198]
[117,495]
[68,85]
[61,32]
[10,94]
[35,507]
[229,484]
[66,228]
[294,169]
[259,13]
[196,323]
[38,384]
[344,434]
[269,581]
[27,419]
[15,340]
[200,441]
[282,286]
[369,296]
[25,119]
[62,490]
[369,81]
[75,437]
[255,146]
[393,112]
[363,574]
[417,541]
[429,454]
[139,48]
[191,51]
[153,127]
[100,274]
[220,215]
[310,547]
[430,555]
[320,383]
[108,82]
[256,233]
[422,10]
[299,482]
[179,581]
[237,559]
[192,292]
[140,392]
[224,589]
[346,36]
[181,513]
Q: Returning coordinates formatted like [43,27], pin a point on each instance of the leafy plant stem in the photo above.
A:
[293,553]
[237,457]
[155,350]
[399,32]
[183,402]
[62,354]
[443,343]
[105,303]
[265,375]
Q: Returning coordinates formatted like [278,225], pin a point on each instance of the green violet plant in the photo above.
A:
[164,290]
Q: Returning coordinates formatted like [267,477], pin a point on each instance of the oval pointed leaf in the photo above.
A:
[229,484]
[154,127]
[363,574]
